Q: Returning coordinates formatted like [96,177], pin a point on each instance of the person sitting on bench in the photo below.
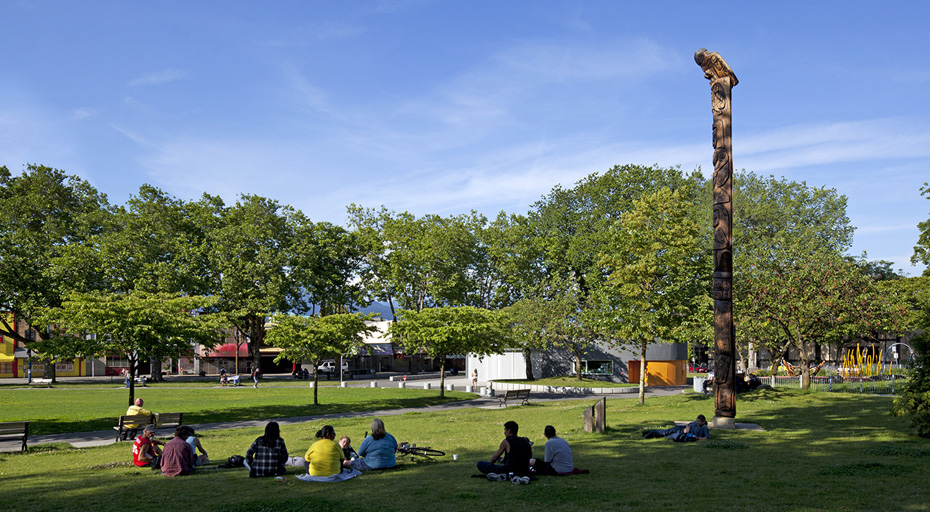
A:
[135,410]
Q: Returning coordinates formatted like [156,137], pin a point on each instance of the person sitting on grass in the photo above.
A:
[377,450]
[558,457]
[177,459]
[325,456]
[194,441]
[268,453]
[348,453]
[516,452]
[136,409]
[695,431]
[145,449]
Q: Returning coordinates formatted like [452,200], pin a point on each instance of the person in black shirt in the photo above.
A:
[516,451]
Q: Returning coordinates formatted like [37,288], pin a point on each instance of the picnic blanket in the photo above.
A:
[338,477]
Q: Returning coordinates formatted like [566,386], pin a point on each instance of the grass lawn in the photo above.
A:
[820,452]
[76,409]
[572,382]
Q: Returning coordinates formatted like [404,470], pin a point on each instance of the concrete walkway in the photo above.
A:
[102,438]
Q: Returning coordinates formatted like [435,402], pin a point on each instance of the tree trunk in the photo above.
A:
[132,380]
[155,368]
[577,354]
[316,380]
[49,370]
[642,373]
[805,356]
[256,335]
[529,364]
[442,377]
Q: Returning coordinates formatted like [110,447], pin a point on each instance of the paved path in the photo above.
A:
[101,438]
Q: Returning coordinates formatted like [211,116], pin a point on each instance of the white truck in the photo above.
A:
[330,367]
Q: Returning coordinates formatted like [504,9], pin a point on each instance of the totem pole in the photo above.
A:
[722,81]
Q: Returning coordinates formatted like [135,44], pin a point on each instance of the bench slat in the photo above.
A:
[15,430]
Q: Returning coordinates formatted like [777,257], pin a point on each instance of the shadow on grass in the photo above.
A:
[255,412]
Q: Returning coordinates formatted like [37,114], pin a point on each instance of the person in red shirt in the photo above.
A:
[146,449]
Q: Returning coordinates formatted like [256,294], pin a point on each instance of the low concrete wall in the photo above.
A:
[568,390]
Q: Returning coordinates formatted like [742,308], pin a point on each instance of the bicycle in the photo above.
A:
[415,451]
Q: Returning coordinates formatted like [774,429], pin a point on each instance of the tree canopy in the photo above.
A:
[313,338]
[444,331]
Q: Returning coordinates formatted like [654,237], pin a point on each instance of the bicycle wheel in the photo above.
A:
[426,452]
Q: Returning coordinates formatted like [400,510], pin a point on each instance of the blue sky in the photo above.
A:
[444,107]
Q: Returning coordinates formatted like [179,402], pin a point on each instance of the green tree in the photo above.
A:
[814,301]
[248,246]
[571,230]
[134,323]
[328,260]
[44,210]
[777,224]
[656,274]
[149,245]
[313,338]
[553,317]
[922,249]
[444,331]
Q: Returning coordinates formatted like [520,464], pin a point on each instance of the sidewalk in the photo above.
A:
[105,437]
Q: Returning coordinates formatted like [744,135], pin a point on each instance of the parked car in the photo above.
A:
[697,368]
[330,367]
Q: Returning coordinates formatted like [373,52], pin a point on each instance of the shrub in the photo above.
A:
[914,402]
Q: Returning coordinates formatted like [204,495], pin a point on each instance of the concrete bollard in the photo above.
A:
[469,389]
[401,384]
[450,387]
[343,384]
[311,384]
[426,385]
[374,384]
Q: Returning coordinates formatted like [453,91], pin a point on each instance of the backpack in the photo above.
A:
[236,461]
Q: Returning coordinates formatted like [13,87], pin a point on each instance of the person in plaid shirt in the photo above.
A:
[267,455]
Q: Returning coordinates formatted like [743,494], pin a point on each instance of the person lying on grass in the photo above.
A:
[516,451]
[695,431]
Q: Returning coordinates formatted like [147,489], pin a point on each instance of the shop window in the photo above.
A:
[597,367]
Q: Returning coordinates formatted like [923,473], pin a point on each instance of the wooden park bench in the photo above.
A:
[15,431]
[41,382]
[132,423]
[515,394]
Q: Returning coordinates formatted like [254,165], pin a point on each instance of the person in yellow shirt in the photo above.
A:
[137,409]
[325,456]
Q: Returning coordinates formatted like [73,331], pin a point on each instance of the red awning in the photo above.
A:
[229,350]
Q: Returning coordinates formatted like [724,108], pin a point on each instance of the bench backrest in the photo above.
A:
[134,419]
[170,417]
[518,393]
[14,427]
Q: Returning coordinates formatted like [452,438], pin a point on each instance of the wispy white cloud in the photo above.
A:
[159,77]
[830,143]
[80,114]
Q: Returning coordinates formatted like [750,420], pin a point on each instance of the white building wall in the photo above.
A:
[509,365]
